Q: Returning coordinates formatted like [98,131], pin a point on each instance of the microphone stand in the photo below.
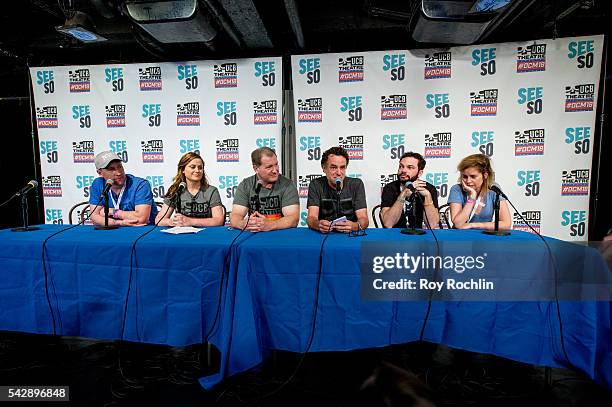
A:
[24,215]
[106,226]
[496,232]
[412,230]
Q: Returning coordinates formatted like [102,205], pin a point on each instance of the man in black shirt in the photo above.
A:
[398,199]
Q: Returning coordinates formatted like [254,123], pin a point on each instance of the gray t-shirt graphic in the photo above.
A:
[271,201]
[199,205]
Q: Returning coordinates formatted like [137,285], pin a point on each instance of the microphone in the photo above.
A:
[181,187]
[258,188]
[495,188]
[338,185]
[107,187]
[409,185]
[177,196]
[31,185]
[257,203]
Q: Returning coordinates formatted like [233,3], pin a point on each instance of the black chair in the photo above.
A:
[376,216]
[445,217]
[82,209]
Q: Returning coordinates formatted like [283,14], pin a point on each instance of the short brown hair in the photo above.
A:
[260,152]
[416,156]
[335,151]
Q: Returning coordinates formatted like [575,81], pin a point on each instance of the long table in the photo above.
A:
[266,285]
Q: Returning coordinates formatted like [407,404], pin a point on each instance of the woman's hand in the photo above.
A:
[471,192]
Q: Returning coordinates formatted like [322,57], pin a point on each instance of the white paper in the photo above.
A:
[179,230]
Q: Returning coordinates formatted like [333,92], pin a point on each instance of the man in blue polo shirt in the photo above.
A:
[130,198]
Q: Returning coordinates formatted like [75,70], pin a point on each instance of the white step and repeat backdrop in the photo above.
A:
[529,106]
[151,114]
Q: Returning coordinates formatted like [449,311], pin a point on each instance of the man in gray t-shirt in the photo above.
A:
[327,202]
[198,206]
[270,200]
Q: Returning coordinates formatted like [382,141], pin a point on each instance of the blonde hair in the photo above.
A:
[180,177]
[483,164]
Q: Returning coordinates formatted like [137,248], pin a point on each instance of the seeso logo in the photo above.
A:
[529,142]
[484,102]
[438,65]
[82,114]
[54,216]
[353,146]
[83,151]
[303,216]
[84,183]
[533,218]
[393,107]
[440,181]
[152,151]
[485,58]
[304,182]
[386,179]
[227,110]
[52,186]
[440,103]
[114,77]
[310,110]
[312,146]
[265,112]
[531,58]
[46,79]
[311,68]
[483,141]
[186,146]
[79,80]
[395,64]
[189,75]
[266,71]
[394,143]
[228,184]
[583,52]
[438,145]
[151,112]
[115,116]
[579,98]
[228,150]
[353,106]
[575,222]
[530,179]
[119,147]
[150,78]
[531,98]
[46,117]
[266,142]
[350,69]
[188,114]
[580,137]
[48,149]
[226,75]
[157,185]
[575,182]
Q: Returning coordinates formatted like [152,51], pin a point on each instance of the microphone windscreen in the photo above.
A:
[182,186]
[34,183]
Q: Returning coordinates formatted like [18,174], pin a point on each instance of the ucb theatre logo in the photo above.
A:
[265,112]
[395,64]
[82,114]
[46,79]
[394,143]
[531,58]
[579,98]
[530,181]
[580,138]
[353,145]
[393,107]
[189,75]
[483,141]
[438,145]
[54,216]
[52,186]
[188,114]
[440,181]
[119,147]
[114,77]
[79,80]
[440,104]
[385,179]
[157,185]
[115,116]
[484,102]
[310,110]
[83,183]
[304,182]
[46,117]
[531,98]
[353,106]
[583,52]
[438,65]
[227,110]
[533,218]
[151,112]
[228,151]
[83,151]
[529,142]
[350,69]
[575,221]
[186,146]
[152,151]
[575,182]
[150,78]
[48,149]
[226,75]
[311,145]
[485,59]
[228,184]
[266,71]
